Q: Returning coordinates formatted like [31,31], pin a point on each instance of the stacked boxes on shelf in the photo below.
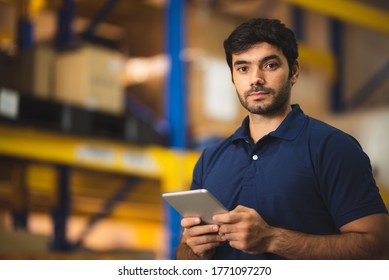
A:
[77,91]
[90,77]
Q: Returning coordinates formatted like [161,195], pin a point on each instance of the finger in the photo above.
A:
[203,239]
[227,229]
[234,236]
[222,218]
[190,222]
[226,218]
[202,230]
[241,208]
[202,243]
[233,216]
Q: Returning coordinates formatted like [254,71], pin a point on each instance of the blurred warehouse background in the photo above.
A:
[105,104]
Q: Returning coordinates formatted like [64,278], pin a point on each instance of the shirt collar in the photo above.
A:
[288,129]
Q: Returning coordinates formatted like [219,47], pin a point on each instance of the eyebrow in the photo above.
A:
[266,58]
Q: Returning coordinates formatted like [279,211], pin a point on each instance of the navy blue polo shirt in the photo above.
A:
[306,176]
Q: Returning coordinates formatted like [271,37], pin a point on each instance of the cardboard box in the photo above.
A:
[30,71]
[90,77]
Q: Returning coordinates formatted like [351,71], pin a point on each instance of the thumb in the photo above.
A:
[241,208]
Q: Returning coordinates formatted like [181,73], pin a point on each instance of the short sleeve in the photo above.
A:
[345,179]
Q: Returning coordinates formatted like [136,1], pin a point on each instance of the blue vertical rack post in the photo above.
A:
[20,212]
[66,14]
[298,23]
[175,99]
[25,37]
[25,27]
[25,40]
[61,211]
[64,38]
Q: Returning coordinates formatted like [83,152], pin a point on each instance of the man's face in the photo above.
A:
[261,78]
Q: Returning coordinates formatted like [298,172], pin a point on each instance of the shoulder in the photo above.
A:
[323,134]
[332,150]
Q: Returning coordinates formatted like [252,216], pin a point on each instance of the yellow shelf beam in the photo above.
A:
[350,11]
[325,60]
[172,167]
[85,152]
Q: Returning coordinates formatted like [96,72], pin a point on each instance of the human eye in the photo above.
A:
[271,65]
[242,69]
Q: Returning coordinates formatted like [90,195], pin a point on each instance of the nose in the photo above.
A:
[257,78]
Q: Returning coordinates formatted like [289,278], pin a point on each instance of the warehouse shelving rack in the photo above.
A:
[171,167]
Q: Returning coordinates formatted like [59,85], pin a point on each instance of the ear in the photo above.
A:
[295,72]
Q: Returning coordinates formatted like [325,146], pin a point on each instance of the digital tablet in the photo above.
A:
[195,203]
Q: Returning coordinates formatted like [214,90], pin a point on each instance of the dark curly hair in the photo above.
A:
[260,30]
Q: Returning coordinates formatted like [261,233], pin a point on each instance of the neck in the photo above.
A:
[261,125]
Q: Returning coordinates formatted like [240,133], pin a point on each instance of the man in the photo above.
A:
[296,187]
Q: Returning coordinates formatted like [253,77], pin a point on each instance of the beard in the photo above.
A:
[277,105]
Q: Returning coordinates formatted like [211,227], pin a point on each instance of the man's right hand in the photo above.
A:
[201,239]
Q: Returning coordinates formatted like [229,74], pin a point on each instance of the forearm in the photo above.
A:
[184,252]
[352,245]
[203,251]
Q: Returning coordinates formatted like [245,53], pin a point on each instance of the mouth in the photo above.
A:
[258,94]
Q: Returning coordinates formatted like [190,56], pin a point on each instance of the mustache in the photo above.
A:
[256,88]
